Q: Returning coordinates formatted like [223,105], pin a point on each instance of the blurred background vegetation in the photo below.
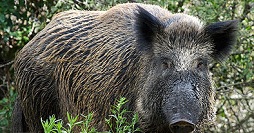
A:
[20,20]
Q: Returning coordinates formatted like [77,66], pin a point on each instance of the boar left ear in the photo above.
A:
[146,26]
[223,35]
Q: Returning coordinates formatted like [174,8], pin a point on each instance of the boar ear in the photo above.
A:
[223,35]
[146,26]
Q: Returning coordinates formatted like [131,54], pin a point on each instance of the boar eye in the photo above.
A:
[164,65]
[201,64]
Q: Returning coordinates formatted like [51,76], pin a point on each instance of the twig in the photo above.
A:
[234,113]
[250,83]
[7,64]
[251,115]
[233,10]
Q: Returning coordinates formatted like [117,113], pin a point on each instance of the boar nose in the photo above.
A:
[182,126]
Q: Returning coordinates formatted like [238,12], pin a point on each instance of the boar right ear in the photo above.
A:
[146,26]
[223,35]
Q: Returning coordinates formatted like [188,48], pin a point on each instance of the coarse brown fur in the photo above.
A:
[83,61]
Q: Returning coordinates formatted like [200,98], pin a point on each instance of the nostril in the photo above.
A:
[182,127]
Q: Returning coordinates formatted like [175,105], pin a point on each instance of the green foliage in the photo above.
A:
[6,107]
[86,128]
[52,125]
[48,125]
[57,126]
[20,20]
[117,118]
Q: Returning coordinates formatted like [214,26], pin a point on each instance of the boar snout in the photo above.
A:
[182,109]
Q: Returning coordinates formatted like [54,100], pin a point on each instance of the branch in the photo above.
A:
[250,83]
[233,10]
[7,64]
[244,120]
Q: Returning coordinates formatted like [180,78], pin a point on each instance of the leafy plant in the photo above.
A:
[118,118]
[120,121]
[6,107]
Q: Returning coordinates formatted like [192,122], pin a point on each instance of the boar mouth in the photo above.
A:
[181,126]
[177,126]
